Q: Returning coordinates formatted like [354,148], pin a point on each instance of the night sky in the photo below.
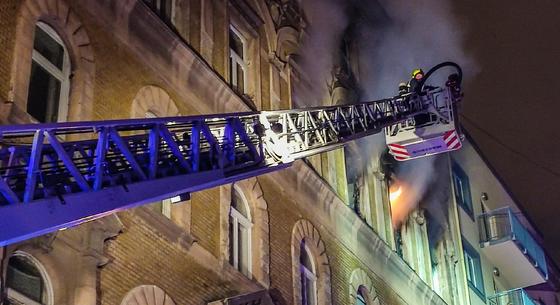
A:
[515,98]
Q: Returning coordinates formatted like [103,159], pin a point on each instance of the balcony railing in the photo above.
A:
[512,297]
[502,225]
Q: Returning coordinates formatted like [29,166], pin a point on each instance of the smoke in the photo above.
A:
[419,34]
[415,177]
[391,38]
[326,21]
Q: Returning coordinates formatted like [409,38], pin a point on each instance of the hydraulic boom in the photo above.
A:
[54,176]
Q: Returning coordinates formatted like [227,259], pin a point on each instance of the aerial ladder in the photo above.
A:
[58,175]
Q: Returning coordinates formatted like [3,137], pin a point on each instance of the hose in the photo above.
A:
[437,67]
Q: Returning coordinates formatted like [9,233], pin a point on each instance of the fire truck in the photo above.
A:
[58,175]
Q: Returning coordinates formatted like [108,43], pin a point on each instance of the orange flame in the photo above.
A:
[395,194]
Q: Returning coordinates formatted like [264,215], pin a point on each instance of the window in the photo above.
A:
[462,190]
[237,64]
[164,206]
[163,8]
[360,298]
[308,277]
[25,281]
[240,233]
[474,269]
[47,98]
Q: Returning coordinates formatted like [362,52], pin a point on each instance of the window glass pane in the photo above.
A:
[236,44]
[243,249]
[310,293]
[43,95]
[238,204]
[166,9]
[304,297]
[474,269]
[240,79]
[231,241]
[360,300]
[305,260]
[462,189]
[48,47]
[24,277]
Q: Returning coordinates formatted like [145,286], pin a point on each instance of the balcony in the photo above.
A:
[512,297]
[512,248]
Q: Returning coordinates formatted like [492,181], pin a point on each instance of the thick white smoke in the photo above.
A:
[420,34]
[406,35]
[320,49]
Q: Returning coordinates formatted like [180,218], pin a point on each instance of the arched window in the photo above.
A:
[49,82]
[310,266]
[27,281]
[308,277]
[240,233]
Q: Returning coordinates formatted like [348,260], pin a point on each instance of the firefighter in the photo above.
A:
[417,75]
[403,88]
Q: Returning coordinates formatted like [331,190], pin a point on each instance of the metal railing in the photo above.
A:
[512,297]
[502,225]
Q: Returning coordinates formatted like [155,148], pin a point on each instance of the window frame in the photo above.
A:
[155,6]
[473,267]
[237,59]
[18,296]
[62,75]
[462,192]
[236,219]
[306,274]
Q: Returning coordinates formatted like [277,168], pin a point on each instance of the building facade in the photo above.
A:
[321,232]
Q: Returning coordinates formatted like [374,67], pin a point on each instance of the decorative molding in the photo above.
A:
[147,295]
[304,231]
[251,190]
[155,100]
[360,280]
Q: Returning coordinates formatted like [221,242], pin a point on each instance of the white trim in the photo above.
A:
[309,275]
[62,75]
[13,294]
[44,276]
[238,60]
[239,220]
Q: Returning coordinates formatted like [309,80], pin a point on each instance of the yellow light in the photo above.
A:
[395,194]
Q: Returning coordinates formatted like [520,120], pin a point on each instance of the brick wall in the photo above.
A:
[142,255]
[8,14]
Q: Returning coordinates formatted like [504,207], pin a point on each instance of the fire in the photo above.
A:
[395,194]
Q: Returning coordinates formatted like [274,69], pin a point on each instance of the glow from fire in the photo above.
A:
[394,194]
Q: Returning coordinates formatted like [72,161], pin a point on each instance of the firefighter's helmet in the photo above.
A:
[417,71]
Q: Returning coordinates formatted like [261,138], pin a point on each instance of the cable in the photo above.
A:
[511,149]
